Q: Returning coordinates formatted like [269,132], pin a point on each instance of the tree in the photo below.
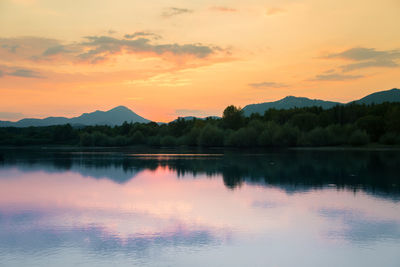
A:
[211,136]
[233,117]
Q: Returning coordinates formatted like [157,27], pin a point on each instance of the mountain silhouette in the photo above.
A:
[120,114]
[112,117]
[289,102]
[392,95]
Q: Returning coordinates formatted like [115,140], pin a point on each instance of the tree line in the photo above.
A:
[343,125]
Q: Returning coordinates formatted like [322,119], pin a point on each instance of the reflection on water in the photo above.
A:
[199,209]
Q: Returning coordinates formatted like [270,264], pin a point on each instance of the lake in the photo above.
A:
[199,208]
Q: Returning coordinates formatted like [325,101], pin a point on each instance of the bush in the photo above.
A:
[154,140]
[138,138]
[318,137]
[211,136]
[168,141]
[390,139]
[86,139]
[244,137]
[287,136]
[373,125]
[120,140]
[267,136]
[359,138]
[304,121]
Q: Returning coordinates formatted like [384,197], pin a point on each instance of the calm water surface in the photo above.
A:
[168,208]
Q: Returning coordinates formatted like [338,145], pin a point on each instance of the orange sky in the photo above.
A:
[172,58]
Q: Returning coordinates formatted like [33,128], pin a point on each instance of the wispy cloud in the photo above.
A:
[367,58]
[336,77]
[26,73]
[223,9]
[19,72]
[54,50]
[142,34]
[174,11]
[268,85]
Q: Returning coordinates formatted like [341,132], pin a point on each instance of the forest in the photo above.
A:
[343,125]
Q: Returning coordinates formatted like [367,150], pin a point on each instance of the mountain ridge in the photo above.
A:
[392,95]
[112,117]
[120,114]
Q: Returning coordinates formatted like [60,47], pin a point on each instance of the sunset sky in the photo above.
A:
[169,58]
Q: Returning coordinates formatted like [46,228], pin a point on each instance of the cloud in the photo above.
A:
[369,64]
[54,50]
[274,10]
[223,9]
[336,77]
[26,73]
[142,34]
[95,49]
[268,85]
[10,48]
[100,47]
[19,72]
[367,58]
[174,11]
[10,115]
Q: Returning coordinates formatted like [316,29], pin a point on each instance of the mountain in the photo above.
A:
[115,116]
[289,102]
[392,95]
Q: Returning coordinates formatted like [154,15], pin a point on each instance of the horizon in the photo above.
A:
[161,59]
[214,115]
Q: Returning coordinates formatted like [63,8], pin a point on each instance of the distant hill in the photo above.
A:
[115,116]
[289,102]
[392,95]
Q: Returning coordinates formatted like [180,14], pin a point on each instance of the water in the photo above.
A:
[219,208]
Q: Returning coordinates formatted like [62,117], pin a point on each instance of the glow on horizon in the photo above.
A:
[181,58]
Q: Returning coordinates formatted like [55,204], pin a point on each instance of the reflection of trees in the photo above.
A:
[375,172]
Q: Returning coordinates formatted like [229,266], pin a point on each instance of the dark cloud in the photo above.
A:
[100,47]
[223,9]
[1,73]
[142,34]
[336,77]
[268,85]
[26,73]
[367,58]
[54,50]
[174,11]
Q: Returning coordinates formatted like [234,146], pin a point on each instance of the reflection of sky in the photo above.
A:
[159,220]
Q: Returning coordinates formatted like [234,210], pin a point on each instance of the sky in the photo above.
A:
[170,58]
